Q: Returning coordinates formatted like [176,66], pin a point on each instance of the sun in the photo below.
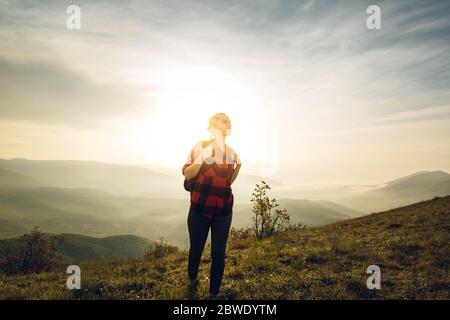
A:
[189,95]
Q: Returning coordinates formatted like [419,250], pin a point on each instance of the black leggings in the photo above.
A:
[198,227]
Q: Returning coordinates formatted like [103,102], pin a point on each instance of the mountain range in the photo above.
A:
[98,199]
[75,248]
[416,187]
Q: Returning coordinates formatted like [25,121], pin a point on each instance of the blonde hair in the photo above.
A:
[214,118]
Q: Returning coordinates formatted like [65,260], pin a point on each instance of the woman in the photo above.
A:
[212,167]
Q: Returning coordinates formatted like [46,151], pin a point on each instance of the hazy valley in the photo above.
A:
[99,200]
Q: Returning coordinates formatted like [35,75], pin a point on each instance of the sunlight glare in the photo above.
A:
[189,96]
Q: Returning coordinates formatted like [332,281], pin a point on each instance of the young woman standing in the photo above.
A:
[211,168]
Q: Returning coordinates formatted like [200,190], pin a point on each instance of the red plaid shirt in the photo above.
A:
[211,195]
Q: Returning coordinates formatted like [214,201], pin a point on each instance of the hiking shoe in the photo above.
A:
[212,296]
[193,284]
[192,290]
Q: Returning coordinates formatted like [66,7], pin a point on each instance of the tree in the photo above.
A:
[267,218]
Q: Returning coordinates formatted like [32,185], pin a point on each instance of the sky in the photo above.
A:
[313,95]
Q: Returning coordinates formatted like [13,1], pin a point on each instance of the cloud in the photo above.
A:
[292,50]
[314,65]
[308,5]
[420,114]
[45,94]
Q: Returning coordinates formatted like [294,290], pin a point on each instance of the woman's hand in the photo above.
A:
[192,171]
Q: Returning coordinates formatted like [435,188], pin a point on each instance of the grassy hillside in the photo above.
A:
[409,244]
[76,248]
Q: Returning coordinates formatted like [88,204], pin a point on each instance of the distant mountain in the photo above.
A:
[9,179]
[127,180]
[46,208]
[9,229]
[314,213]
[100,199]
[112,178]
[88,211]
[338,208]
[416,187]
[96,213]
[78,248]
[92,212]
[425,182]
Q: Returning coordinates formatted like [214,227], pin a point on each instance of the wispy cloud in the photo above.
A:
[421,114]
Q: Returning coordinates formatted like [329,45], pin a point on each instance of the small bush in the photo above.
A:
[267,219]
[160,250]
[38,252]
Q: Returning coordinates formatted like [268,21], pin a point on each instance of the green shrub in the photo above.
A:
[160,250]
[38,252]
[266,218]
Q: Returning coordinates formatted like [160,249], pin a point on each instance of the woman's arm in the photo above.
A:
[191,167]
[235,172]
[191,171]
[238,162]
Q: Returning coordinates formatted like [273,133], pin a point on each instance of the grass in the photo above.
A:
[409,244]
